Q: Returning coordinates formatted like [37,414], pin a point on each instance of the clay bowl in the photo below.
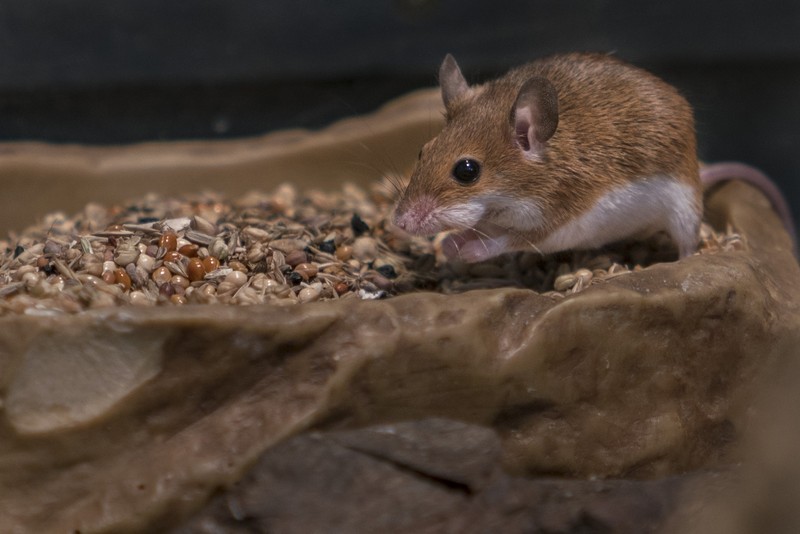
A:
[130,419]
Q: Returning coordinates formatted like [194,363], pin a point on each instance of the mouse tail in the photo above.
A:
[716,173]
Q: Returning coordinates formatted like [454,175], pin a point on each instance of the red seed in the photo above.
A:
[109,277]
[210,264]
[195,269]
[306,270]
[190,250]
[173,256]
[121,277]
[342,288]
[169,240]
[344,253]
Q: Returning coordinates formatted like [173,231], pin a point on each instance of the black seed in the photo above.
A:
[328,246]
[295,277]
[18,250]
[387,271]
[358,225]
[424,263]
[145,220]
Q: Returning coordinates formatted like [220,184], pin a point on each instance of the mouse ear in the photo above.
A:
[535,115]
[452,82]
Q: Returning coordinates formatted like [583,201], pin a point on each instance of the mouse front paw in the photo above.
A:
[471,246]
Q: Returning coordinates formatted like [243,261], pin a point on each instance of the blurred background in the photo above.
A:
[119,71]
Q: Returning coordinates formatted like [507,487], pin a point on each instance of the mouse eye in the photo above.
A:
[466,171]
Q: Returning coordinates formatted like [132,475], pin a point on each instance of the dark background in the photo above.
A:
[121,71]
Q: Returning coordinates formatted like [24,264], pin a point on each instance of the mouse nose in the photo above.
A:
[399,219]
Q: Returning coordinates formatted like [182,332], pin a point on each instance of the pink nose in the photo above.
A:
[414,220]
[400,219]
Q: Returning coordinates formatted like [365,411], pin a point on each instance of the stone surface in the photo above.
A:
[69,378]
[638,380]
[429,475]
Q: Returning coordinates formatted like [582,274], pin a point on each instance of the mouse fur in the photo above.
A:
[574,151]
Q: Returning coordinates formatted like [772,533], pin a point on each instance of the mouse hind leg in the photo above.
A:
[683,220]
[686,240]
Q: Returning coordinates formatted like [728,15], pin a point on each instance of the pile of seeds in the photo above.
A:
[281,248]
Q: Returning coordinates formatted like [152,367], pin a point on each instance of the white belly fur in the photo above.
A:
[647,205]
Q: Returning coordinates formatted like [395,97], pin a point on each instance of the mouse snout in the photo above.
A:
[400,222]
[416,216]
[404,220]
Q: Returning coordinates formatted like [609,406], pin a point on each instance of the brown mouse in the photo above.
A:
[569,152]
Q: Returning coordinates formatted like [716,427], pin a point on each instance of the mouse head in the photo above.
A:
[476,173]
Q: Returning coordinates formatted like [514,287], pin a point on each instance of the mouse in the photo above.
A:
[572,151]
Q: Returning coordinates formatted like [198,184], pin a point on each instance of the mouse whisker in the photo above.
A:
[391,184]
[458,249]
[385,166]
[397,183]
[484,234]
[517,234]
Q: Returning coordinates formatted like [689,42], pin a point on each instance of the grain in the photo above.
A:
[277,248]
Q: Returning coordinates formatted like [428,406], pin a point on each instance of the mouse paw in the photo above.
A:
[471,246]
